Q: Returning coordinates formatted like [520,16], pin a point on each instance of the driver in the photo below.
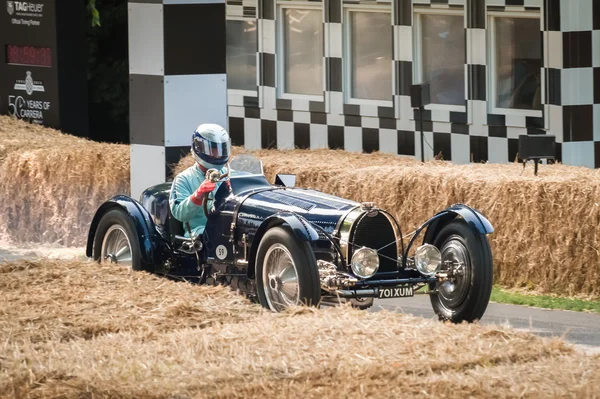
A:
[211,148]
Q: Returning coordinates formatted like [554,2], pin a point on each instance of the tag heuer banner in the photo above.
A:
[43,70]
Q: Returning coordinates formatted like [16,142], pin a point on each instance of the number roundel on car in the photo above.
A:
[221,252]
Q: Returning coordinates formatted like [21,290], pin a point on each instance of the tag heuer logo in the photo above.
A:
[29,85]
[10,7]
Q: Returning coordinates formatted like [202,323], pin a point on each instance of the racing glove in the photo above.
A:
[206,187]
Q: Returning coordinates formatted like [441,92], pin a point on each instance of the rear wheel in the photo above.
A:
[116,242]
[286,271]
[466,295]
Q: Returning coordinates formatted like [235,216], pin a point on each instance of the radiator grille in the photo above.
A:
[376,232]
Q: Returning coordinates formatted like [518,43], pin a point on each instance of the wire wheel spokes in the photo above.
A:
[116,247]
[280,278]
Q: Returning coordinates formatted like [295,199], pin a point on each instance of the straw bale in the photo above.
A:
[150,351]
[16,135]
[52,183]
[58,300]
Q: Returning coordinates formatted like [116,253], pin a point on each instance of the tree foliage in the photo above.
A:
[94,13]
[108,72]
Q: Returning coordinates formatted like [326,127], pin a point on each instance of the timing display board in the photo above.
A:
[43,63]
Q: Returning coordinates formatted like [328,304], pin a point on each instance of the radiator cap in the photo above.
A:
[370,208]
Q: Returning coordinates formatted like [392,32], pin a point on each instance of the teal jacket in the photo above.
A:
[183,209]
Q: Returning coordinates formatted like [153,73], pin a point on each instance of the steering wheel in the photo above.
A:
[215,177]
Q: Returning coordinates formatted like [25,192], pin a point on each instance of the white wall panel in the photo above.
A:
[146,43]
[147,167]
[186,105]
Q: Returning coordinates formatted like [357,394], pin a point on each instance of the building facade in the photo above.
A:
[337,74]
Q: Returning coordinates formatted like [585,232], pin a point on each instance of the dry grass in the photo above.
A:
[52,183]
[75,329]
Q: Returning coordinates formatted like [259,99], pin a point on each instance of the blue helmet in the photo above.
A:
[211,146]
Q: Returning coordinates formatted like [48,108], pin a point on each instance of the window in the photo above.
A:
[368,58]
[300,52]
[440,56]
[515,63]
[241,54]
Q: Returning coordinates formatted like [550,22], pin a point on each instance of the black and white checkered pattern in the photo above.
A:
[177,81]
[473,135]
[162,115]
[573,78]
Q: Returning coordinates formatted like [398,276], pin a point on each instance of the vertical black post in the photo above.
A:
[419,98]
[421,122]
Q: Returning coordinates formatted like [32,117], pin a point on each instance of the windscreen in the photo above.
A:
[245,165]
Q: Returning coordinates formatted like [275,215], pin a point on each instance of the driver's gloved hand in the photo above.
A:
[206,187]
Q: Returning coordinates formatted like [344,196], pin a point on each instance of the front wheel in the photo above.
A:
[466,295]
[286,271]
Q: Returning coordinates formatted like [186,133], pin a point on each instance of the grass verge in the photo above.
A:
[501,295]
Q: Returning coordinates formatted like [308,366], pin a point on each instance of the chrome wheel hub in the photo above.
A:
[455,257]
[116,247]
[280,278]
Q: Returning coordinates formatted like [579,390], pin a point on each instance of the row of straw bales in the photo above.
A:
[546,226]
[52,183]
[81,330]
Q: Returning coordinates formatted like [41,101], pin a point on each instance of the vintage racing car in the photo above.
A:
[285,246]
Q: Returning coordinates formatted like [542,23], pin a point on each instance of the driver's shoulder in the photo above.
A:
[188,177]
[191,172]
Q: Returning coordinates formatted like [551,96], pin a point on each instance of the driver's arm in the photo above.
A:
[183,200]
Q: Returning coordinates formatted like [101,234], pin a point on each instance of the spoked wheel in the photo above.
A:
[280,278]
[468,258]
[116,247]
[116,242]
[286,272]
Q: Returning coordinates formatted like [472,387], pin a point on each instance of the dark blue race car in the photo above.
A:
[285,246]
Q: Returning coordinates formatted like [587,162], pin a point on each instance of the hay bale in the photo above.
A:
[221,346]
[17,135]
[51,194]
[61,300]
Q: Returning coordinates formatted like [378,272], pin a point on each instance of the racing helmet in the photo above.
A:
[211,145]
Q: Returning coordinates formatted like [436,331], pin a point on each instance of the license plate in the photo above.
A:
[396,292]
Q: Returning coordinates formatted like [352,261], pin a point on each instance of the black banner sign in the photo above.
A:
[29,85]
[42,62]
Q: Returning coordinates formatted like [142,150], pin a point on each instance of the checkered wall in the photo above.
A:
[569,89]
[573,78]
[177,81]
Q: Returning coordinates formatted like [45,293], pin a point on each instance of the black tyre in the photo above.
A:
[286,271]
[362,303]
[116,240]
[466,296]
